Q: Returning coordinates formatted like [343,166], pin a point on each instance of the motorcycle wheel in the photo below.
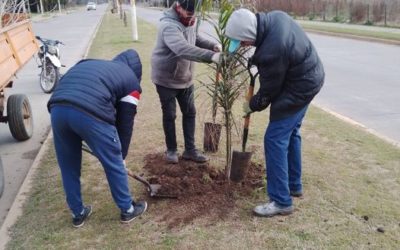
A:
[49,77]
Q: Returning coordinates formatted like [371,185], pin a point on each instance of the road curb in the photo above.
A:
[355,37]
[19,201]
[94,35]
[357,124]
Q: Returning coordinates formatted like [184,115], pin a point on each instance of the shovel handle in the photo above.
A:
[130,173]
[138,178]
[250,94]
[248,98]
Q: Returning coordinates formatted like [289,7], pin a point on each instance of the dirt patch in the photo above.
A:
[201,189]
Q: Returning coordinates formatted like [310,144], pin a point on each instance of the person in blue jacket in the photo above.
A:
[96,102]
[291,74]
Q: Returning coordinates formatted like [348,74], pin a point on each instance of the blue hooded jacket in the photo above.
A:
[97,87]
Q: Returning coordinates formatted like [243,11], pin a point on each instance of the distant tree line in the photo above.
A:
[380,12]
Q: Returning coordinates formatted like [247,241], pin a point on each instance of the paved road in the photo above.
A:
[362,79]
[75,30]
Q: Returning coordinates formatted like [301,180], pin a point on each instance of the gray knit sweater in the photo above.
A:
[177,47]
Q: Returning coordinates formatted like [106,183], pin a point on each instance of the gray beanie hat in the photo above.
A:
[241,26]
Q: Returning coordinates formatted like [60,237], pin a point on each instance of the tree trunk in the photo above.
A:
[228,144]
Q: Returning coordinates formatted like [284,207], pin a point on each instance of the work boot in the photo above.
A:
[271,209]
[171,156]
[297,194]
[135,211]
[79,220]
[194,155]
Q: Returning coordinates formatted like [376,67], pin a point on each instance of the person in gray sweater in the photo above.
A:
[178,46]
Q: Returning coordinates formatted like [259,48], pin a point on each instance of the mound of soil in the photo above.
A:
[201,189]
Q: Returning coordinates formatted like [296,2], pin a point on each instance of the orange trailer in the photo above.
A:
[17,46]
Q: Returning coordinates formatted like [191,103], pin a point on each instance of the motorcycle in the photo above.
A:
[49,57]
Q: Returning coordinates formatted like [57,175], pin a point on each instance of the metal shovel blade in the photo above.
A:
[152,188]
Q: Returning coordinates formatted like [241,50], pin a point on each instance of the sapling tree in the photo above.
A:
[231,78]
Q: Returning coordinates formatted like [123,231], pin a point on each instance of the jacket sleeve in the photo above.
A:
[204,43]
[126,111]
[178,44]
[272,71]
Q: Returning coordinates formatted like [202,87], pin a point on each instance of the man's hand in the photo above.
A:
[217,48]
[216,58]
[246,109]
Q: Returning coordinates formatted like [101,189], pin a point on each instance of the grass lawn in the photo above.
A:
[379,33]
[351,184]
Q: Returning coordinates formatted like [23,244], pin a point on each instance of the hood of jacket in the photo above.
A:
[132,60]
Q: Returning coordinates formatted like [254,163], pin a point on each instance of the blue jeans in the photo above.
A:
[71,126]
[282,147]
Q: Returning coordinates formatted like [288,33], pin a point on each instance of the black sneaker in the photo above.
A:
[78,221]
[138,209]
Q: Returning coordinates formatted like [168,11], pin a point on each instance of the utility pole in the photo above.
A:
[59,6]
[134,23]
[118,7]
[41,7]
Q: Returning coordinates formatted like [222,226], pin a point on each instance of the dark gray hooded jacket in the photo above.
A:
[177,47]
[291,72]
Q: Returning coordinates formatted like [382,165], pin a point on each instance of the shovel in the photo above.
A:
[253,78]
[152,189]
[241,160]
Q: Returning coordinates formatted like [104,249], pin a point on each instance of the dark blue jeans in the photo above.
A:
[185,98]
[71,126]
[282,147]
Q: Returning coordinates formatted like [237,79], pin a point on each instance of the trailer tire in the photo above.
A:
[1,178]
[19,116]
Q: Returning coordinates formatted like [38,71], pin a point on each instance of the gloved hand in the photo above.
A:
[217,48]
[246,109]
[216,58]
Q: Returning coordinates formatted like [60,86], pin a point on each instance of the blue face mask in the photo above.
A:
[233,45]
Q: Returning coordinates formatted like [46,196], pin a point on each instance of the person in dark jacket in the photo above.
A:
[291,74]
[96,102]
[178,46]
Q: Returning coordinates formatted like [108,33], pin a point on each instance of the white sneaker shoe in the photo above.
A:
[271,209]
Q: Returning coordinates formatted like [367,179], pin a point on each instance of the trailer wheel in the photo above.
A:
[19,116]
[1,178]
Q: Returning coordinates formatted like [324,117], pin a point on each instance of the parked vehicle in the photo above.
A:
[18,45]
[91,6]
[49,57]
